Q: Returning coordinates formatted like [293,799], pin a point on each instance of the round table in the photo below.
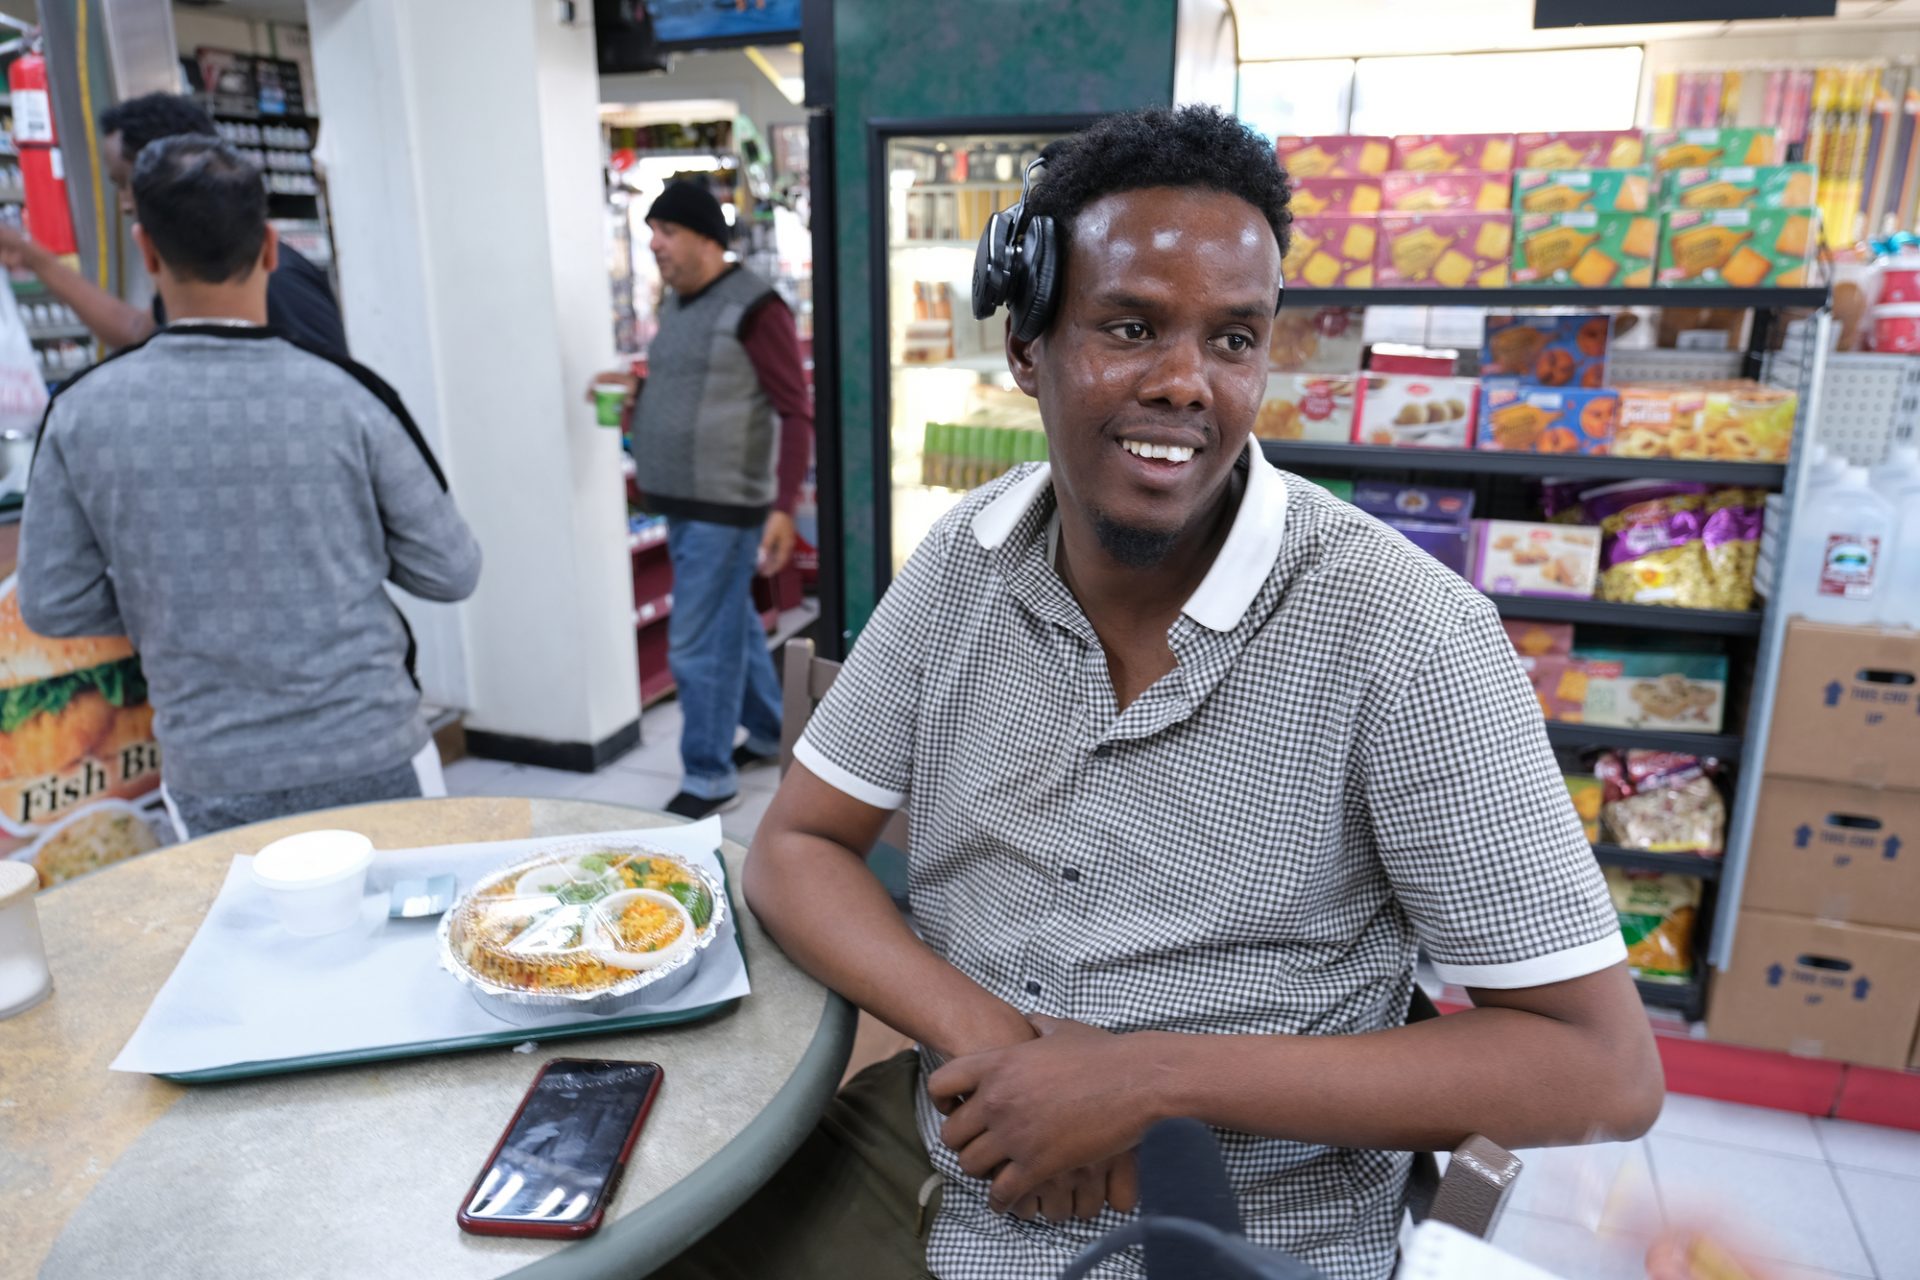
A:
[357,1171]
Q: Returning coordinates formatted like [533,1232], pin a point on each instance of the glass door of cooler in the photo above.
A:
[951,415]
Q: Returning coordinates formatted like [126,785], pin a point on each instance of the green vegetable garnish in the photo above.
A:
[694,898]
[584,891]
[121,683]
[598,863]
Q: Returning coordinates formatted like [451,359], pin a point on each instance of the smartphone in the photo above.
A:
[558,1164]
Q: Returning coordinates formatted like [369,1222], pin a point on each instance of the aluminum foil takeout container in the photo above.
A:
[530,941]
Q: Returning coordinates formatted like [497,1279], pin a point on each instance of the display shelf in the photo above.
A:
[1688,998]
[1307,454]
[656,688]
[1644,617]
[642,542]
[1512,298]
[1684,864]
[653,612]
[1722,746]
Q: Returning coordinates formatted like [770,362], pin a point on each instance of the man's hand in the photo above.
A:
[776,544]
[1046,1118]
[14,246]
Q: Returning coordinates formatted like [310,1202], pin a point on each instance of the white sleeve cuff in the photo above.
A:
[841,780]
[1560,966]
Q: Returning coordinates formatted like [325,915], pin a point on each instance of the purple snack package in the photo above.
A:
[1438,521]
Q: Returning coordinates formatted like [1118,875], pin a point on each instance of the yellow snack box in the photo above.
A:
[1445,250]
[1607,149]
[1435,152]
[1408,191]
[1567,190]
[1585,248]
[1327,251]
[1333,155]
[1745,248]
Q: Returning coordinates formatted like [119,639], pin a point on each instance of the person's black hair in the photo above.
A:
[203,205]
[1193,146]
[151,117]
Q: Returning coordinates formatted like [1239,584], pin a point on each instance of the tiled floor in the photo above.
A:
[1805,1199]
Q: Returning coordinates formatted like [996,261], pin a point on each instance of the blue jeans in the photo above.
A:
[718,653]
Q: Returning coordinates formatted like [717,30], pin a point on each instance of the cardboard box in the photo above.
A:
[1644,689]
[1517,558]
[1332,250]
[1438,521]
[1451,191]
[1552,351]
[1842,991]
[1585,248]
[1333,155]
[1708,148]
[1522,418]
[1449,250]
[1402,410]
[1835,853]
[1313,196]
[1430,152]
[1847,706]
[1745,248]
[1317,340]
[1566,190]
[1607,149]
[1767,186]
[1307,406]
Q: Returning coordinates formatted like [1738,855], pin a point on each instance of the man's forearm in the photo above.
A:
[832,916]
[114,321]
[1520,1078]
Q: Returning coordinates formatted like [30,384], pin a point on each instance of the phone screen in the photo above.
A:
[556,1162]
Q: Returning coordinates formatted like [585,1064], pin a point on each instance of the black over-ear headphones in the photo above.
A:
[1017,265]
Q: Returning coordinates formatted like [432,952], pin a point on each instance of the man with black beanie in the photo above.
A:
[725,361]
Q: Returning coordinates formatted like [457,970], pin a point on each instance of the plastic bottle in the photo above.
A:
[1840,553]
[1898,481]
[1901,471]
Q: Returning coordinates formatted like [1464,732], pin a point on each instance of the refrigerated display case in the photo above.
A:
[947,414]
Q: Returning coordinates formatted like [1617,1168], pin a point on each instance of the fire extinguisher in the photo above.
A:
[48,217]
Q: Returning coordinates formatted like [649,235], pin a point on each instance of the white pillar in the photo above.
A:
[461,139]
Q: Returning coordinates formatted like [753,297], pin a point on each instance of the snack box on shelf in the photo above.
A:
[1344,195]
[1341,489]
[1523,418]
[1519,558]
[1414,410]
[1443,191]
[1317,340]
[1341,155]
[1736,420]
[1745,248]
[1438,521]
[1332,250]
[1746,186]
[1585,249]
[1307,406]
[1705,148]
[1643,689]
[1567,190]
[1450,250]
[1487,152]
[1559,686]
[1606,149]
[1531,639]
[1588,793]
[1554,351]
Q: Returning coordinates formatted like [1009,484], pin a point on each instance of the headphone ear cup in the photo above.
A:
[1037,285]
[990,263]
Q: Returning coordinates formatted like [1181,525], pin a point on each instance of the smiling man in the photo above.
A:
[1197,758]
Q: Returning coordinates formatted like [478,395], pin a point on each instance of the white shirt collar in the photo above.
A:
[1241,568]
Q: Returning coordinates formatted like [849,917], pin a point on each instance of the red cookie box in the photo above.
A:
[1614,149]
[1484,152]
[1454,191]
[1339,155]
[1415,411]
[1315,196]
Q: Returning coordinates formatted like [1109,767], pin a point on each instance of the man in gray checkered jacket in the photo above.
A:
[1197,758]
[235,504]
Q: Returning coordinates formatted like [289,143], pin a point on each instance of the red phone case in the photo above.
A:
[561,1230]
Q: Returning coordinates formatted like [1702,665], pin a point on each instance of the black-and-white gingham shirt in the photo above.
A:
[1346,764]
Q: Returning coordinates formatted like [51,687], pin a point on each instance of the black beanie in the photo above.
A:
[691,205]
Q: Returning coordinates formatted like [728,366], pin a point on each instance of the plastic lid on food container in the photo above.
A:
[1896,311]
[18,881]
[312,859]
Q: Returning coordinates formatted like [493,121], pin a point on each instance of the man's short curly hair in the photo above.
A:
[1194,146]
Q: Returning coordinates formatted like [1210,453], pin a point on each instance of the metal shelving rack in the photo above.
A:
[1803,367]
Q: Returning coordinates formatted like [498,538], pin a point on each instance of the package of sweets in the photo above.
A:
[1645,689]
[1532,639]
[1745,248]
[1317,340]
[1706,148]
[1587,796]
[1661,802]
[1587,249]
[1520,417]
[1656,913]
[1431,152]
[1446,250]
[1609,149]
[1517,558]
[1333,155]
[1553,351]
[1443,191]
[1401,410]
[1438,521]
[1568,190]
[1332,251]
[1307,406]
[1346,195]
[1766,186]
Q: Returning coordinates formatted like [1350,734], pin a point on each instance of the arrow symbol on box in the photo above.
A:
[1833,693]
[1891,849]
[1860,988]
[1774,974]
[1802,835]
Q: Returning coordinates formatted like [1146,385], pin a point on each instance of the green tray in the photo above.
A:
[508,1035]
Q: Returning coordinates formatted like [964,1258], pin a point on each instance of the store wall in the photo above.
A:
[466,197]
[722,73]
[989,58]
[194,28]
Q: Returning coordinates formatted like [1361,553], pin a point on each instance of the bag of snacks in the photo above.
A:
[1731,537]
[1656,920]
[1651,549]
[1661,802]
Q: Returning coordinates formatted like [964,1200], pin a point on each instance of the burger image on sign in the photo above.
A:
[75,730]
